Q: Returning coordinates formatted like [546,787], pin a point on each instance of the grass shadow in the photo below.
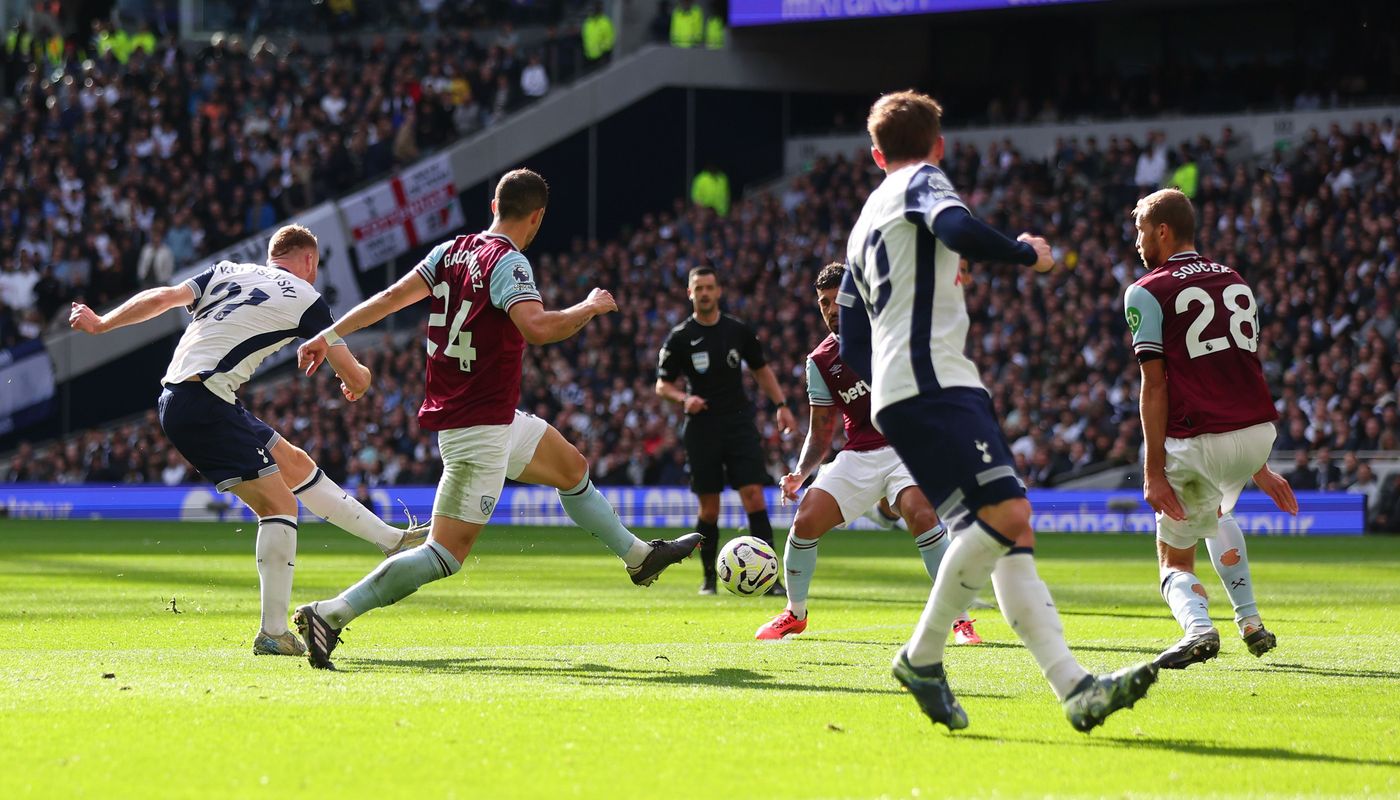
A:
[1196,747]
[603,674]
[1331,672]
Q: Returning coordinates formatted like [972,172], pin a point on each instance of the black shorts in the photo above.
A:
[221,439]
[953,446]
[723,447]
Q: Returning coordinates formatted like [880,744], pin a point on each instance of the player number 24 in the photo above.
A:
[1239,301]
[459,342]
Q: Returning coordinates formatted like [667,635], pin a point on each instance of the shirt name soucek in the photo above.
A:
[1187,271]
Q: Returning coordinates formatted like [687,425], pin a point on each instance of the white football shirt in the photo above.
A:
[243,313]
[911,287]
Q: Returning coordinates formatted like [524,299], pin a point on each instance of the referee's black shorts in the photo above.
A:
[720,448]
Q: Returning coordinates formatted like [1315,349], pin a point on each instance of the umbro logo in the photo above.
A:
[835,369]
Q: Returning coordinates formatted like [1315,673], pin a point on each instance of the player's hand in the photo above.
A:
[1162,498]
[311,353]
[1277,488]
[602,301]
[694,404]
[350,394]
[84,319]
[1044,260]
[787,423]
[790,483]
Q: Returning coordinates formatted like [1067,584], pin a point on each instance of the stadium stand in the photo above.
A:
[1055,350]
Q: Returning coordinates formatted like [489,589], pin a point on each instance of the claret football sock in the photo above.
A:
[394,579]
[800,561]
[964,571]
[1026,603]
[709,546]
[933,544]
[760,525]
[324,498]
[590,510]
[277,551]
[1231,560]
[1187,599]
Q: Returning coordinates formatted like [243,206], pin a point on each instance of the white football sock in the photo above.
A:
[277,551]
[324,498]
[1231,560]
[1187,598]
[1026,603]
[964,571]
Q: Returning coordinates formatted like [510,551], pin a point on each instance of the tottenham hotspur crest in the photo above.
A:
[982,446]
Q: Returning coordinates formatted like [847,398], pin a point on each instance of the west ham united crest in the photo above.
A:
[488,504]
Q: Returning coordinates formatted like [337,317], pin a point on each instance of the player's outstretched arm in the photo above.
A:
[975,239]
[1153,402]
[140,307]
[354,376]
[814,449]
[408,290]
[539,326]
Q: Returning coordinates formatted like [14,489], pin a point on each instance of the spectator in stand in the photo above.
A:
[710,189]
[1367,485]
[715,30]
[1303,477]
[598,38]
[534,83]
[1329,477]
[687,24]
[157,262]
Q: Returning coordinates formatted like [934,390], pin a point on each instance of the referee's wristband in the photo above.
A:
[331,337]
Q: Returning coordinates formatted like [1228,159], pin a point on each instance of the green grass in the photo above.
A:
[540,671]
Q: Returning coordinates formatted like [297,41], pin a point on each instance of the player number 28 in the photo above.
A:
[1239,301]
[459,342]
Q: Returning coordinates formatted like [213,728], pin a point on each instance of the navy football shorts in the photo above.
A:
[953,446]
[221,439]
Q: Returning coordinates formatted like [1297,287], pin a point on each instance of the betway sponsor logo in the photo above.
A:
[850,395]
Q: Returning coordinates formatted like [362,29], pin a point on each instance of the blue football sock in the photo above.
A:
[932,544]
[393,580]
[800,561]
[1187,598]
[590,510]
[1231,560]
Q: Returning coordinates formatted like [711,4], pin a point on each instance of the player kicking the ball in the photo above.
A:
[903,298]
[1207,419]
[244,313]
[865,473]
[485,308]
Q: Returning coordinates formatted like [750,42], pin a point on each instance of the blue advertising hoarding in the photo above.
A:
[769,12]
[1322,513]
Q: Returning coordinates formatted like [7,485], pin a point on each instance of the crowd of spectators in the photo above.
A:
[128,157]
[1313,228]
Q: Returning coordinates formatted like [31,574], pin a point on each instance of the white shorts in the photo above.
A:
[857,480]
[1208,472]
[476,462]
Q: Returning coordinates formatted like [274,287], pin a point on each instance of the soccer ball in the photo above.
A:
[747,566]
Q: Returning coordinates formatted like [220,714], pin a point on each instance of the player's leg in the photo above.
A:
[474,466]
[324,498]
[540,454]
[817,513]
[704,453]
[229,446]
[1188,465]
[930,537]
[1243,451]
[276,549]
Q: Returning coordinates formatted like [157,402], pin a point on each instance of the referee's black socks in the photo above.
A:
[760,526]
[709,545]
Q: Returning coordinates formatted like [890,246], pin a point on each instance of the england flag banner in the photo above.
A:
[415,207]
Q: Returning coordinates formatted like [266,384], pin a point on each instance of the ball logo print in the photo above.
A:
[747,566]
[733,358]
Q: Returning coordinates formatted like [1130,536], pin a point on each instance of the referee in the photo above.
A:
[721,438]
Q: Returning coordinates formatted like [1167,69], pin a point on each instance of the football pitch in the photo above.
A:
[540,671]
